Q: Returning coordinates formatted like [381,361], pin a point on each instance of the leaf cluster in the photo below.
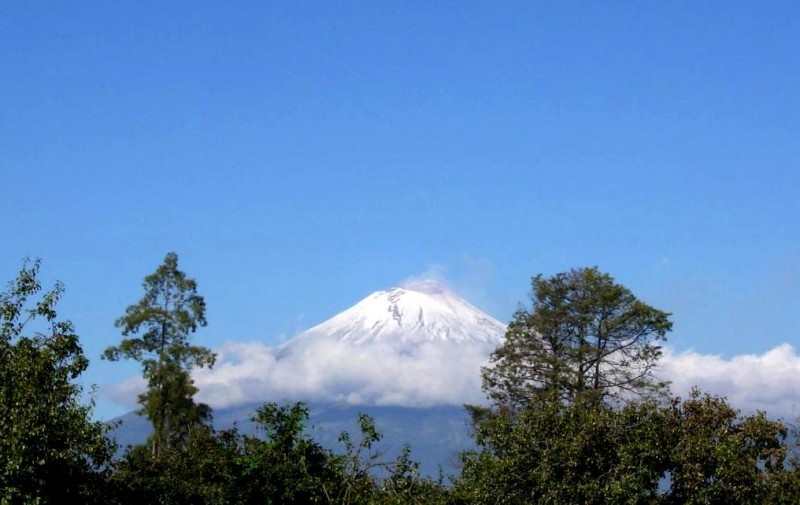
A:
[50,450]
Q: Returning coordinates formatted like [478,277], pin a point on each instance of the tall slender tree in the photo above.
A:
[159,326]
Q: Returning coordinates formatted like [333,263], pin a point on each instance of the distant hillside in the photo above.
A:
[435,434]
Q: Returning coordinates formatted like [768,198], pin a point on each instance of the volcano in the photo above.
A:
[411,315]
[410,356]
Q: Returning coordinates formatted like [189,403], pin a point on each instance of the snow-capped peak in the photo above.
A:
[415,313]
[417,344]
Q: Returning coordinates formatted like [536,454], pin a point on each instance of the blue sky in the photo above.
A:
[300,155]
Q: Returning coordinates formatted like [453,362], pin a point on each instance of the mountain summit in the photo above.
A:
[412,314]
[414,345]
[409,356]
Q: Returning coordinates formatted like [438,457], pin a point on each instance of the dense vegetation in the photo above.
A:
[576,416]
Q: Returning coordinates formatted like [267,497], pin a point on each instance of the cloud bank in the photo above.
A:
[325,369]
[751,382]
[446,373]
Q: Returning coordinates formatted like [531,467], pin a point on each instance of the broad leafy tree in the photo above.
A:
[580,417]
[694,451]
[585,337]
[50,449]
[159,328]
[578,453]
[718,456]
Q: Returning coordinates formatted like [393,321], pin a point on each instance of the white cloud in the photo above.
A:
[446,373]
[435,272]
[432,373]
[124,393]
[767,381]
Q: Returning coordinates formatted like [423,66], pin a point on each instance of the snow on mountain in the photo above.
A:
[409,356]
[410,315]
[414,345]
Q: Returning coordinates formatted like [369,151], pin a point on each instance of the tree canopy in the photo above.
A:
[50,449]
[585,337]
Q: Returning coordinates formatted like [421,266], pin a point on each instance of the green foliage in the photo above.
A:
[697,451]
[585,338]
[368,478]
[566,429]
[359,461]
[278,465]
[164,319]
[286,465]
[50,451]
[208,470]
[785,484]
[556,453]
[719,457]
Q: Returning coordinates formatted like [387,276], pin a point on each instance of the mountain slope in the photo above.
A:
[435,434]
[407,316]
[410,356]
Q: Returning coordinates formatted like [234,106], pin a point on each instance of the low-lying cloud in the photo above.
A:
[446,373]
[324,369]
[751,382]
